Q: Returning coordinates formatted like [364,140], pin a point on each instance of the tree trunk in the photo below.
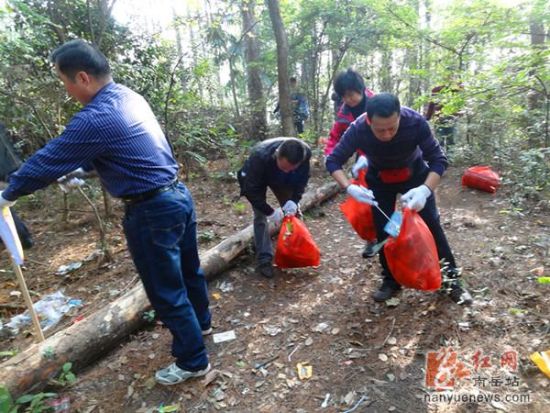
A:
[256,101]
[92,337]
[282,67]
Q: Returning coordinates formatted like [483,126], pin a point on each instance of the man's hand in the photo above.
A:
[361,163]
[276,217]
[290,208]
[4,202]
[416,198]
[361,194]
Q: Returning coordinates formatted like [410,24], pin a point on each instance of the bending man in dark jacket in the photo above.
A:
[404,158]
[282,164]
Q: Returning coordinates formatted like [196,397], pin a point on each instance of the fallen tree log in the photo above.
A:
[92,337]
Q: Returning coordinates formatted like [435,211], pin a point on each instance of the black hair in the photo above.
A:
[292,150]
[383,105]
[348,80]
[76,56]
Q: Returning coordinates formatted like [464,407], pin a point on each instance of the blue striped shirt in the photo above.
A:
[116,133]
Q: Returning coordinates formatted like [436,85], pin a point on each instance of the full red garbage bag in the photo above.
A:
[482,178]
[359,214]
[295,246]
[412,256]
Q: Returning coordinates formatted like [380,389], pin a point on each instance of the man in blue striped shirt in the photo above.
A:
[117,134]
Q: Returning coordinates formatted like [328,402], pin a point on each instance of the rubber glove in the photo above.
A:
[290,208]
[416,198]
[361,163]
[276,217]
[361,194]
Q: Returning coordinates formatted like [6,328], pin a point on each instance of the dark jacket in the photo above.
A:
[260,171]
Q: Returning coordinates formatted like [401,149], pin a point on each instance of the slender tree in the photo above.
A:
[282,66]
[256,101]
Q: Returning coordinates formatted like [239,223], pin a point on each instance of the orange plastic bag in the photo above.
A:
[412,256]
[359,214]
[482,178]
[295,246]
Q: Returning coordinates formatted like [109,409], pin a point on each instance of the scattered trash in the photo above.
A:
[543,280]
[216,296]
[66,269]
[392,341]
[168,409]
[324,405]
[225,336]
[309,341]
[50,310]
[517,311]
[272,330]
[361,400]
[305,371]
[321,327]
[295,349]
[393,226]
[61,405]
[393,302]
[382,357]
[542,360]
[539,271]
[464,326]
[226,287]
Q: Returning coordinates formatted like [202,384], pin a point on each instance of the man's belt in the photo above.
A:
[144,196]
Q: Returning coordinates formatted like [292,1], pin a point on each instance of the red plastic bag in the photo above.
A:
[412,256]
[482,178]
[295,246]
[359,214]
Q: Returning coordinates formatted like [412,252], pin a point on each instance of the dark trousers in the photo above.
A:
[262,238]
[386,197]
[299,126]
[161,235]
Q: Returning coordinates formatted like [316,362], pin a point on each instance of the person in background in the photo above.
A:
[404,158]
[281,164]
[444,124]
[300,106]
[350,87]
[117,134]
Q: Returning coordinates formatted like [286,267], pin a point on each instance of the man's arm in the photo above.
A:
[431,150]
[254,186]
[77,146]
[347,146]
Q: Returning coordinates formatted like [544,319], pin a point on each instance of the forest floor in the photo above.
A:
[365,356]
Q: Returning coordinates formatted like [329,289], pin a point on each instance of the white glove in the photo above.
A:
[361,163]
[276,217]
[290,208]
[4,202]
[416,198]
[361,194]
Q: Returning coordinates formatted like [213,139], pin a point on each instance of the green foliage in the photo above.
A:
[66,376]
[36,402]
[239,207]
[149,316]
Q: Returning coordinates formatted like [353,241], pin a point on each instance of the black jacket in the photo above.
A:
[260,171]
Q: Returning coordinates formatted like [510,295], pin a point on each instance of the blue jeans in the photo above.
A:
[162,238]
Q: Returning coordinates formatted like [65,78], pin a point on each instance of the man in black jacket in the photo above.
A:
[282,164]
